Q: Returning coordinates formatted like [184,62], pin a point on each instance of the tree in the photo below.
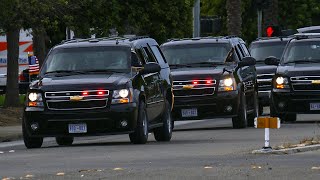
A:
[234,20]
[11,22]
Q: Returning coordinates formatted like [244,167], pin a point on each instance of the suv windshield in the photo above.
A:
[302,52]
[196,53]
[260,51]
[88,59]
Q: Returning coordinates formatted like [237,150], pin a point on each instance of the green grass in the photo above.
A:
[21,97]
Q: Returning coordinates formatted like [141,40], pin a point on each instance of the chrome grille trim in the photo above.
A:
[64,96]
[202,85]
[304,81]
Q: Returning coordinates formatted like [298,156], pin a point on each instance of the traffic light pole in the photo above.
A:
[196,18]
[259,22]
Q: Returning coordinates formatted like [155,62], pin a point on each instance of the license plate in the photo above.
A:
[189,112]
[314,106]
[77,128]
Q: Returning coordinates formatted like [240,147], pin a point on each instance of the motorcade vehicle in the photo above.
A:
[100,86]
[213,77]
[296,84]
[261,49]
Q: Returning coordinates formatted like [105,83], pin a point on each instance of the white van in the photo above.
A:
[25,46]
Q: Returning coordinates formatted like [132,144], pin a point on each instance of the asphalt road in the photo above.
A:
[208,149]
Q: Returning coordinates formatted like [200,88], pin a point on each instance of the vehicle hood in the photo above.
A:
[82,82]
[291,70]
[182,74]
[265,69]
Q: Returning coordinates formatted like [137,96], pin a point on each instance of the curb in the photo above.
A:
[10,138]
[288,150]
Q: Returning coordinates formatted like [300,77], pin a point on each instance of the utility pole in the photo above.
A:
[196,18]
[259,4]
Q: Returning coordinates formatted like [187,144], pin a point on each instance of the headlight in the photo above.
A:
[281,83]
[226,84]
[35,97]
[35,100]
[122,96]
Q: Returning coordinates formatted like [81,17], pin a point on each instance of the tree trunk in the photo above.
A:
[234,20]
[270,14]
[39,44]
[12,89]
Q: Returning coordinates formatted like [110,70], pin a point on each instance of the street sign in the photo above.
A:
[267,122]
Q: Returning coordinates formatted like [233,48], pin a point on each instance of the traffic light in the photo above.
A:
[273,31]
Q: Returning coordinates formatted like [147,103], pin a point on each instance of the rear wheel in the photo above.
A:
[140,135]
[164,133]
[64,141]
[30,142]
[241,120]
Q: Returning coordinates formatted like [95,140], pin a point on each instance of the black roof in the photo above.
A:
[200,40]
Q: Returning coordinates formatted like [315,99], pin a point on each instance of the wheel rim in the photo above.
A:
[169,121]
[244,108]
[144,125]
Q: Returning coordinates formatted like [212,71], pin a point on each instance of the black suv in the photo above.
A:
[98,87]
[213,77]
[261,49]
[296,84]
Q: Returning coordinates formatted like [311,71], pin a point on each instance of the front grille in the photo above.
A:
[264,81]
[305,83]
[77,100]
[189,88]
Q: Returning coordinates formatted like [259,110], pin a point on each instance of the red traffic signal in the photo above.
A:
[272,31]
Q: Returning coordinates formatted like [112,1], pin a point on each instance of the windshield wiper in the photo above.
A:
[65,71]
[179,65]
[103,71]
[302,61]
[207,63]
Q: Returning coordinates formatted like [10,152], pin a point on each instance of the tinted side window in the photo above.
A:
[239,55]
[142,55]
[245,49]
[241,51]
[151,58]
[157,53]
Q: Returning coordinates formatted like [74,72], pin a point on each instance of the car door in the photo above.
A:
[153,90]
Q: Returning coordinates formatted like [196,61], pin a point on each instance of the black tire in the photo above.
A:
[289,118]
[260,109]
[164,133]
[30,142]
[140,135]
[240,121]
[255,112]
[64,141]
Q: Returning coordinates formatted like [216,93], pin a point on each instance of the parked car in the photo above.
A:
[98,87]
[296,84]
[213,77]
[261,49]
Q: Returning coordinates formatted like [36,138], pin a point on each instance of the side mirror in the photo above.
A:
[150,68]
[271,60]
[247,61]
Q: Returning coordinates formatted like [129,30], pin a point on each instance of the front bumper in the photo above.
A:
[213,106]
[99,121]
[264,98]
[295,102]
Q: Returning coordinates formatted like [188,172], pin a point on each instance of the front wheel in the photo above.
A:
[255,112]
[164,133]
[240,121]
[140,135]
[30,142]
[64,141]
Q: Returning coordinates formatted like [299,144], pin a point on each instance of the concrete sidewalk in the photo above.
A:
[10,133]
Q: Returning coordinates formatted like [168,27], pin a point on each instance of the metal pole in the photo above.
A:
[196,18]
[259,22]
[267,138]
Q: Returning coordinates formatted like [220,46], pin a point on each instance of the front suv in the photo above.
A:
[213,77]
[261,49]
[296,84]
[98,87]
